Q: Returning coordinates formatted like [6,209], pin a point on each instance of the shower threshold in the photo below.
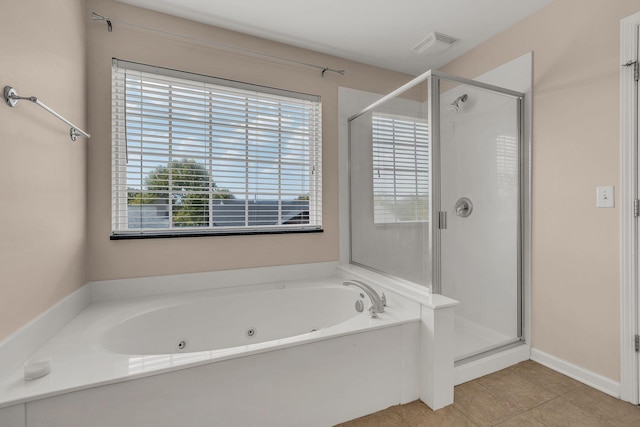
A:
[474,340]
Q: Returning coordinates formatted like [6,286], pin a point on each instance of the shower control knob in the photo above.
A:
[464,207]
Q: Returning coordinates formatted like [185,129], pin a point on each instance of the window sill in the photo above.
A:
[167,235]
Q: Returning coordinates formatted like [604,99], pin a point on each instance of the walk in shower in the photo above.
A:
[437,175]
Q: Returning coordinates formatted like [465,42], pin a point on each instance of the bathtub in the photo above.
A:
[282,353]
[286,314]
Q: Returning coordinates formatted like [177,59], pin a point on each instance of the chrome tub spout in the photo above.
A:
[377,302]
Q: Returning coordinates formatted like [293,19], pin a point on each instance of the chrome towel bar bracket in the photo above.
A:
[11,98]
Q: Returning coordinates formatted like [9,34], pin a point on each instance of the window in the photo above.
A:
[400,169]
[199,155]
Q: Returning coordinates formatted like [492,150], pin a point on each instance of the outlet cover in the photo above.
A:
[605,197]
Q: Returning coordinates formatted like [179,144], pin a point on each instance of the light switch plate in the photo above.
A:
[605,197]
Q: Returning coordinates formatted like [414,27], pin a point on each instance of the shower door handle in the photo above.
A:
[442,220]
[464,207]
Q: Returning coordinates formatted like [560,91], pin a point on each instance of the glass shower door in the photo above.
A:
[480,253]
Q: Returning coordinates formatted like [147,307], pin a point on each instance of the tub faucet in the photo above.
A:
[377,302]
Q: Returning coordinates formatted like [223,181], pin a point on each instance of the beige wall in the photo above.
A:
[575,278]
[43,191]
[134,258]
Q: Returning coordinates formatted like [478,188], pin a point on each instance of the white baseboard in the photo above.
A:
[493,363]
[19,346]
[589,378]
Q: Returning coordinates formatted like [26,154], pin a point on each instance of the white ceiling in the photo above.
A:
[375,32]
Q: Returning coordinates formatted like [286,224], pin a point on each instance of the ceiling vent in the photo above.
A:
[435,43]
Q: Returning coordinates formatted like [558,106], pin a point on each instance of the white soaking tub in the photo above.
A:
[282,353]
[237,320]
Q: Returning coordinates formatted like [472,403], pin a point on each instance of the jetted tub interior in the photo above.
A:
[218,322]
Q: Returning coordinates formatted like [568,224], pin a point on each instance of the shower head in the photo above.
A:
[455,105]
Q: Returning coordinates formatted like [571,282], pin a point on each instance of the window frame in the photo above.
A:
[119,182]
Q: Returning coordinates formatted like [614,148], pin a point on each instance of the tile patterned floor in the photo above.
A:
[524,395]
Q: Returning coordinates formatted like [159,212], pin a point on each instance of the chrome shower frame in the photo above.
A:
[433,80]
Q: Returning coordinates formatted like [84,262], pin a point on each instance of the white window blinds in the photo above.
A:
[196,154]
[400,169]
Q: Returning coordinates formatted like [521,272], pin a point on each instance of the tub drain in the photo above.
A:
[251,332]
[182,345]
